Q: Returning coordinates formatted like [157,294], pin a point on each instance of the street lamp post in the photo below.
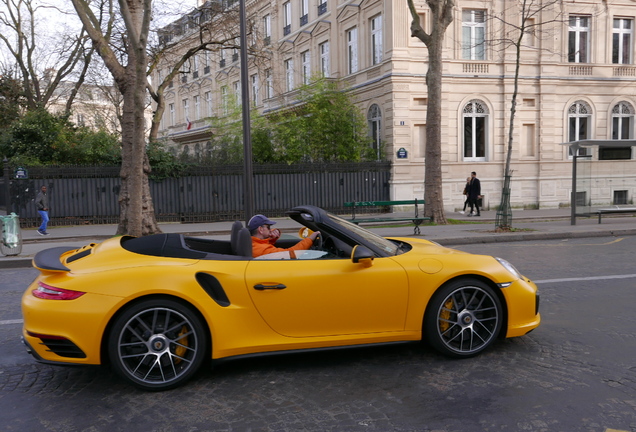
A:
[248,177]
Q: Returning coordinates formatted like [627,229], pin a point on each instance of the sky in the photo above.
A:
[54,17]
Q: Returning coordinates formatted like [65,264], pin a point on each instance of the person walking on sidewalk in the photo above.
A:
[466,199]
[474,194]
[42,204]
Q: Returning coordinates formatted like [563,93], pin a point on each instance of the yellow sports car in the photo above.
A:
[157,307]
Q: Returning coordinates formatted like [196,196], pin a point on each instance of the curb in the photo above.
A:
[507,238]
[13,263]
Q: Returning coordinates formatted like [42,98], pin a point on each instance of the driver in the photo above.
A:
[264,237]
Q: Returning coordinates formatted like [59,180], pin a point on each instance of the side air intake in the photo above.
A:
[213,288]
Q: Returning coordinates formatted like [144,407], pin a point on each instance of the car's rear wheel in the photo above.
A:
[157,344]
[463,318]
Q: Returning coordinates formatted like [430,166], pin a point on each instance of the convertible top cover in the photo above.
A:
[162,245]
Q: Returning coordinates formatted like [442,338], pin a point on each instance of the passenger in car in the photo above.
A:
[264,237]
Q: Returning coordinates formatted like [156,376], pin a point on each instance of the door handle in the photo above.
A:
[262,287]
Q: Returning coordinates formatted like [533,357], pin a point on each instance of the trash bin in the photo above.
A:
[11,241]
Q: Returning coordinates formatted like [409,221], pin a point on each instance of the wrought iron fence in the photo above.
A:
[89,195]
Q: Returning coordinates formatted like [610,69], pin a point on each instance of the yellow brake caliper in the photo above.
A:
[180,350]
[444,316]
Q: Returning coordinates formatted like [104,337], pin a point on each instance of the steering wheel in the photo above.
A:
[337,247]
[317,243]
[330,246]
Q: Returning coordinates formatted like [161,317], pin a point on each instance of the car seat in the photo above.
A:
[244,244]
[234,236]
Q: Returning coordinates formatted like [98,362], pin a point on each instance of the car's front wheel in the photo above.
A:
[157,344]
[463,318]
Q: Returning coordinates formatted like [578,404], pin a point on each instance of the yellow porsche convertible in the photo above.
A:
[157,307]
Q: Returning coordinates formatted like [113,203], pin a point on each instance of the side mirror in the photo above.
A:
[362,255]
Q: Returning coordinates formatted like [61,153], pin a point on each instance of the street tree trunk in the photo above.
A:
[137,215]
[442,16]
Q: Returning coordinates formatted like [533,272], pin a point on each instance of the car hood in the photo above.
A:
[432,258]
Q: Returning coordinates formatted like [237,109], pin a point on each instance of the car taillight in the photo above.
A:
[49,292]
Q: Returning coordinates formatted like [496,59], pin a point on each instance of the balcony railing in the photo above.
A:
[222,63]
[267,40]
[304,20]
[475,68]
[287,30]
[195,74]
[322,8]
[206,70]
[580,70]
[624,71]
[234,57]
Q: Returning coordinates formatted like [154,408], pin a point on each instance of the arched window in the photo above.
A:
[623,121]
[208,150]
[475,116]
[622,128]
[185,153]
[374,118]
[579,124]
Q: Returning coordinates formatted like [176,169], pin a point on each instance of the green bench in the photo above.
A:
[416,219]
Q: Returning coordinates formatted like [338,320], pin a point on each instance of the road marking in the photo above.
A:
[615,241]
[562,243]
[5,322]
[591,278]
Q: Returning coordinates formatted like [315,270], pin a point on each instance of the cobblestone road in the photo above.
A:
[576,372]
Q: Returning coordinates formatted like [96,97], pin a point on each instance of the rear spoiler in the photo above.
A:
[49,259]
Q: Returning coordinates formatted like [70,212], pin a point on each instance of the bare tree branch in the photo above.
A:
[42,61]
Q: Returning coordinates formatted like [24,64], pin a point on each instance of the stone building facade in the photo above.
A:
[577,80]
[94,106]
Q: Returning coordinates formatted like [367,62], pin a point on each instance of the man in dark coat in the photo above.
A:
[474,194]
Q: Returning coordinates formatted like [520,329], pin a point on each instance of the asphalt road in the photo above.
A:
[576,372]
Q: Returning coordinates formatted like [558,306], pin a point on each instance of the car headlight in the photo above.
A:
[509,267]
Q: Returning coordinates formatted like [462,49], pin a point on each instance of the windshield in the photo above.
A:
[386,245]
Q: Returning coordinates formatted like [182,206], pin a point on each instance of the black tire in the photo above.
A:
[463,318]
[157,344]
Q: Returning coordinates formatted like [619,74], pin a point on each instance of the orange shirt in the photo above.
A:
[266,246]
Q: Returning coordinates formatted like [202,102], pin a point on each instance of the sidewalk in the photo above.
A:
[528,225]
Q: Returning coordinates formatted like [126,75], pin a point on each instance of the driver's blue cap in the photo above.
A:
[258,220]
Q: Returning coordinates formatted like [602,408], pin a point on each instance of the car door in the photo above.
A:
[304,298]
